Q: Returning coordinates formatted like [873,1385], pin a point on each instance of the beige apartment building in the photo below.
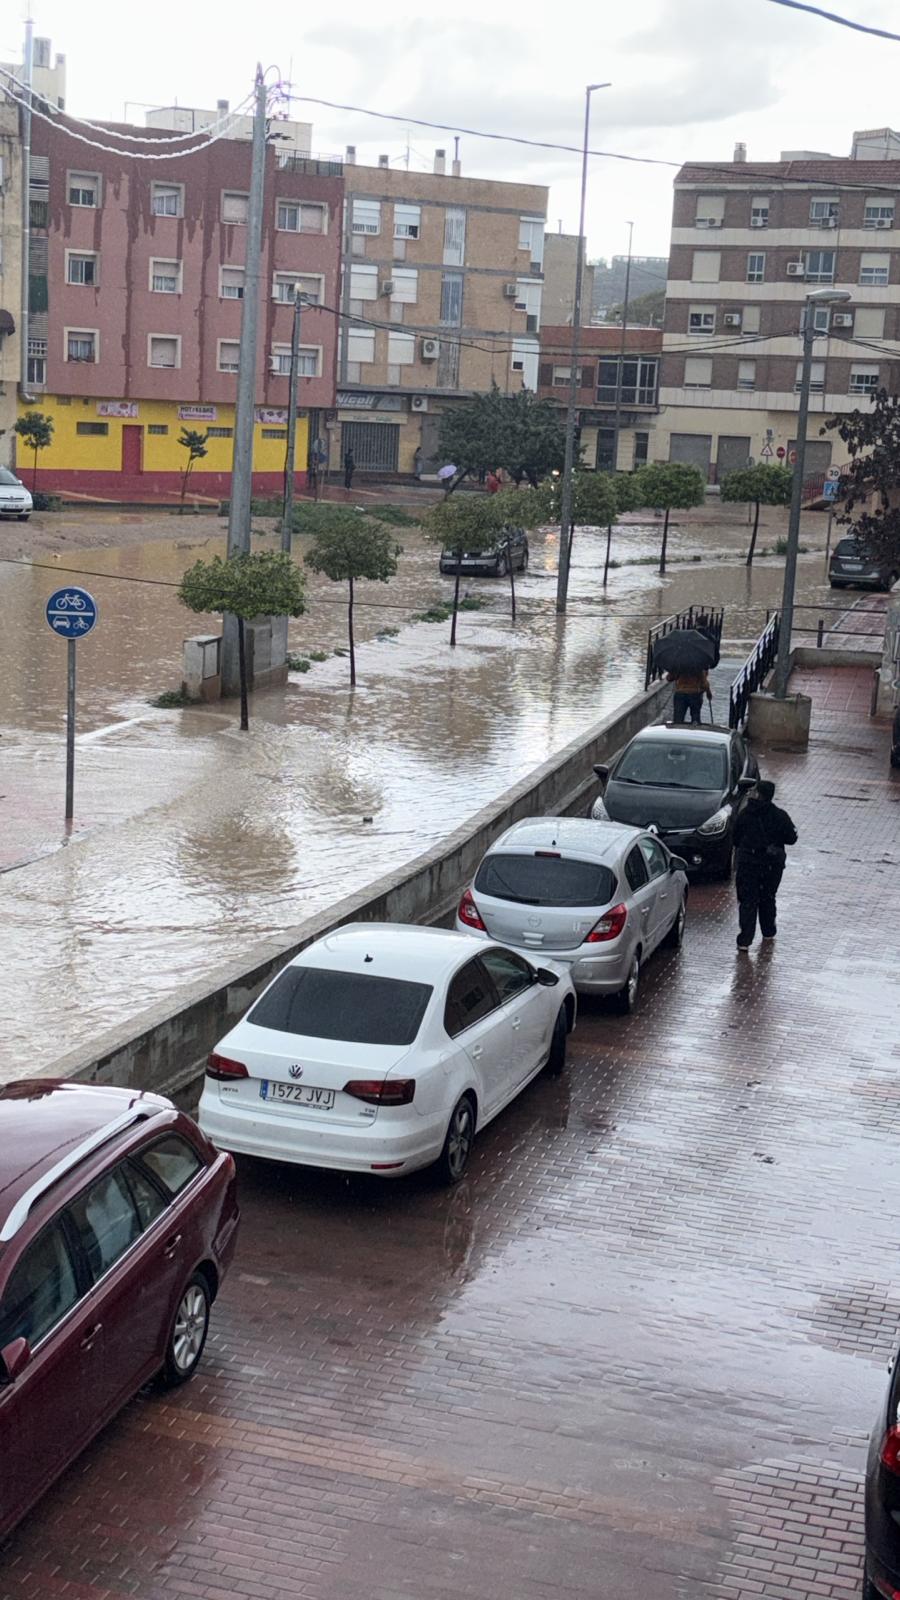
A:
[750,241]
[441,298]
[560,261]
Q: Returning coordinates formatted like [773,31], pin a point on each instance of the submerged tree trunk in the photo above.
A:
[512,576]
[665,540]
[34,470]
[455,598]
[350,636]
[606,562]
[753,537]
[242,664]
[184,484]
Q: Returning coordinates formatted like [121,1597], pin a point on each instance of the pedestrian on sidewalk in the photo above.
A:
[690,687]
[492,483]
[760,835]
[349,469]
[417,463]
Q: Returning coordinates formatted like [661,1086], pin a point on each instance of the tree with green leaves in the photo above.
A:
[670,486]
[264,584]
[348,546]
[194,443]
[516,432]
[35,429]
[597,499]
[870,484]
[515,508]
[645,310]
[762,485]
[465,525]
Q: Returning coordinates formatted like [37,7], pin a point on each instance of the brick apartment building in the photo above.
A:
[749,243]
[599,371]
[442,299]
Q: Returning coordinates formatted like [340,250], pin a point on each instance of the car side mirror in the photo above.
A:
[746,784]
[602,770]
[546,978]
[677,864]
[14,1358]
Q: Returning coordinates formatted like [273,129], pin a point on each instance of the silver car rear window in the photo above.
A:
[545,880]
[357,1007]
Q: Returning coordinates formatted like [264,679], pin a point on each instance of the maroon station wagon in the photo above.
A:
[118,1220]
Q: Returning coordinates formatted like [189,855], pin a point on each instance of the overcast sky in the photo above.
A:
[689,78]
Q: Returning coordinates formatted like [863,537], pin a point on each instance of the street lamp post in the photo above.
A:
[623,344]
[819,297]
[565,516]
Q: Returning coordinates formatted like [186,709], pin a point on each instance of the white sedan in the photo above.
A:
[15,501]
[384,1048]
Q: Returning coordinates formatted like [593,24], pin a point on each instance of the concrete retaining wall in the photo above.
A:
[169,1051]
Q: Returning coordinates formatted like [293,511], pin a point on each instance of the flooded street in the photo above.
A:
[223,840]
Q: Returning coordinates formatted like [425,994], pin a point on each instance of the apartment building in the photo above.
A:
[441,298]
[10,272]
[605,378]
[560,261]
[136,284]
[750,241]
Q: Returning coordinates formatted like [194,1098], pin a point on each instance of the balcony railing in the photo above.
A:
[631,394]
[309,166]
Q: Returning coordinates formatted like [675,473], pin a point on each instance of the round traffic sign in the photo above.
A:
[780,452]
[71,613]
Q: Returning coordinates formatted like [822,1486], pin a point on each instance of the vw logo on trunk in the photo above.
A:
[296,1070]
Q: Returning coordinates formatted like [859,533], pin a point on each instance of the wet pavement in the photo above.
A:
[636,1353]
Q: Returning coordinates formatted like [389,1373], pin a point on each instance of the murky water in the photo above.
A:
[223,840]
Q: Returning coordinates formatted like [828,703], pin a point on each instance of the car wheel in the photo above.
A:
[556,1060]
[454,1158]
[189,1330]
[673,938]
[524,567]
[502,567]
[626,999]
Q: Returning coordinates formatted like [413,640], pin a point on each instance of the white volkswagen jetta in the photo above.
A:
[384,1048]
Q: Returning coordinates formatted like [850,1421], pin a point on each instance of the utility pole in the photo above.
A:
[617,424]
[242,464]
[26,212]
[287,513]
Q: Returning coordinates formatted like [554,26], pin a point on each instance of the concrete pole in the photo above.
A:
[617,424]
[782,660]
[287,512]
[26,213]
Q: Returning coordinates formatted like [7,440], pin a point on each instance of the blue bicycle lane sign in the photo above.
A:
[71,613]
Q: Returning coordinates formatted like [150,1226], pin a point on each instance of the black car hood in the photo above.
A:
[641,804]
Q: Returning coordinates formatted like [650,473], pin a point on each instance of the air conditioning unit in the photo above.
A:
[883,222]
[431,349]
[510,291]
[842,319]
[732,319]
[419,402]
[709,222]
[796,269]
[276,368]
[828,222]
[758,222]
[387,286]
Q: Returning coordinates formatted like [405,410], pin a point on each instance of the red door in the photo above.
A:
[132,449]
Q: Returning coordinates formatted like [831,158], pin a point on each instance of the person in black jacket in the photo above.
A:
[760,835]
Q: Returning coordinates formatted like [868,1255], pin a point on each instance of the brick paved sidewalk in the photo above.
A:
[636,1354]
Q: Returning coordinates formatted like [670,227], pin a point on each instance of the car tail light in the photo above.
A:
[220,1067]
[610,925]
[382,1091]
[890,1450]
[883,1587]
[469,913]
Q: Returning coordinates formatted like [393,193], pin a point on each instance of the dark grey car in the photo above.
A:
[491,563]
[852,566]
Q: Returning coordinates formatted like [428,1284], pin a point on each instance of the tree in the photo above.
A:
[347,546]
[195,445]
[469,524]
[515,508]
[596,502]
[523,435]
[670,486]
[264,584]
[35,430]
[645,311]
[760,485]
[872,479]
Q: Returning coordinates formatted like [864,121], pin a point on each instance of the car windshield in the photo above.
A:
[359,1008]
[667,764]
[545,880]
[8,478]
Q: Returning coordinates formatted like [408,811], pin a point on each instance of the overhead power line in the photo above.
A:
[93,144]
[832,16]
[64,118]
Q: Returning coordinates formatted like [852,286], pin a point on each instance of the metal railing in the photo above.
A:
[699,616]
[821,630]
[754,671]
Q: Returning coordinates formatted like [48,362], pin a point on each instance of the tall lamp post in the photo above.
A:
[623,342]
[565,515]
[818,297]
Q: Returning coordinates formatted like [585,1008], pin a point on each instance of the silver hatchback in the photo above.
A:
[599,896]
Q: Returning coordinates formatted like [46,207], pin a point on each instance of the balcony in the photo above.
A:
[632,395]
[309,166]
[39,214]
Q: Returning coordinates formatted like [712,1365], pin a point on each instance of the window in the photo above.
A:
[81,345]
[702,319]
[366,216]
[167,199]
[639,380]
[234,206]
[295,216]
[406,285]
[710,210]
[363,282]
[545,880]
[879,213]
[746,375]
[750,319]
[164,350]
[756,267]
[509,973]
[401,349]
[220,433]
[280,360]
[658,763]
[641,449]
[407,221]
[562,375]
[698,372]
[817,379]
[82,269]
[231,283]
[454,236]
[706,266]
[528,299]
[524,358]
[150,1201]
[159,428]
[361,344]
[863,379]
[274,433]
[470,997]
[106,1222]
[41,1289]
[84,188]
[286,286]
[819,266]
[655,857]
[636,870]
[307,362]
[355,1007]
[824,211]
[874,267]
[759,211]
[97,430]
[37,361]
[821,319]
[531,238]
[868,322]
[165,277]
[451,299]
[229,355]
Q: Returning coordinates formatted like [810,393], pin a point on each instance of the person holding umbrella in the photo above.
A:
[685,655]
[690,687]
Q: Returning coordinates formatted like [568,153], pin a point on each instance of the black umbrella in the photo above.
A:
[685,650]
